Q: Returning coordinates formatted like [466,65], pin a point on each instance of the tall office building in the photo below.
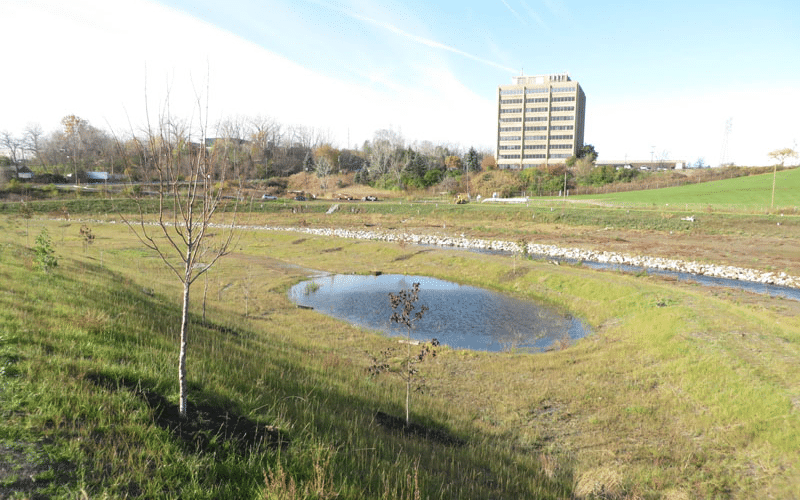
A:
[540,120]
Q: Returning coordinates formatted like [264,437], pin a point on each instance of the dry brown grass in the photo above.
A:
[601,482]
[328,187]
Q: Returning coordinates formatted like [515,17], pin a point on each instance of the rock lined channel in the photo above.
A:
[553,251]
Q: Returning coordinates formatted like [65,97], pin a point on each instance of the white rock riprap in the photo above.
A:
[552,251]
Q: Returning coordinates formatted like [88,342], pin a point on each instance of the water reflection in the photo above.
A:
[460,316]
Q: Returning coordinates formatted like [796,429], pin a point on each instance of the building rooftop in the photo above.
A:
[540,79]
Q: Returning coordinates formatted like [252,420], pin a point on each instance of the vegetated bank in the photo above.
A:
[682,392]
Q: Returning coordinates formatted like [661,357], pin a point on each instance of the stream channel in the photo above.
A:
[460,316]
[749,286]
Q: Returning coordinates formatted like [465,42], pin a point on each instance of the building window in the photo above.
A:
[510,101]
[562,127]
[562,108]
[536,119]
[535,146]
[536,128]
[510,157]
[563,89]
[510,147]
[537,90]
[510,120]
[536,99]
[535,138]
[536,110]
[511,92]
[562,118]
[563,99]
[561,146]
[560,137]
[511,110]
[534,155]
[560,155]
[510,129]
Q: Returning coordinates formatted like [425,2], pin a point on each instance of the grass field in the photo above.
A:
[741,193]
[681,392]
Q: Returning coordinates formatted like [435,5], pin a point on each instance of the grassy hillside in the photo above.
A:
[749,193]
[681,391]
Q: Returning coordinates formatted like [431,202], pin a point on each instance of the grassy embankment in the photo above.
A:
[752,193]
[681,392]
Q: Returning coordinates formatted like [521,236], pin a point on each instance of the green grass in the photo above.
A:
[742,193]
[681,391]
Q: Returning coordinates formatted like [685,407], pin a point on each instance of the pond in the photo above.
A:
[460,316]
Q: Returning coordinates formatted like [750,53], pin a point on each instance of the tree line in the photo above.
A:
[259,146]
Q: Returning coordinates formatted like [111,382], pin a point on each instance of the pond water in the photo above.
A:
[460,316]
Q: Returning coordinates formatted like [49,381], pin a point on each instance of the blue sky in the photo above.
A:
[661,78]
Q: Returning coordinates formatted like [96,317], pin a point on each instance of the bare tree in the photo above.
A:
[14,147]
[191,184]
[780,155]
[385,152]
[33,142]
[265,138]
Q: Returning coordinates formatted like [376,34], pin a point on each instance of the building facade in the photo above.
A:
[540,120]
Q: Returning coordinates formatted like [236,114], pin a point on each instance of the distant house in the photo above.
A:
[24,172]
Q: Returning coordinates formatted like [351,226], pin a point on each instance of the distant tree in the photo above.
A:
[330,155]
[33,137]
[414,169]
[384,153]
[362,176]
[324,168]
[472,161]
[308,163]
[79,146]
[351,161]
[488,162]
[780,155]
[232,134]
[587,152]
[453,162]
[265,138]
[14,147]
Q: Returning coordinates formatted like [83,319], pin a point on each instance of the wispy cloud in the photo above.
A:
[427,42]
[516,14]
[534,15]
[558,9]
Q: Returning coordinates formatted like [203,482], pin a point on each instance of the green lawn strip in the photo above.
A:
[751,192]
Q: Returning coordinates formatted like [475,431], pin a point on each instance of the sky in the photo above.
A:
[662,78]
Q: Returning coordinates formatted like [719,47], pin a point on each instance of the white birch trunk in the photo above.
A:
[182,356]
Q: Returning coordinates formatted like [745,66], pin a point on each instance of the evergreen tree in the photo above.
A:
[472,161]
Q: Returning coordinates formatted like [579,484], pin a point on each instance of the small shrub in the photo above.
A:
[43,250]
[403,313]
